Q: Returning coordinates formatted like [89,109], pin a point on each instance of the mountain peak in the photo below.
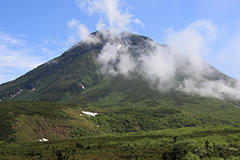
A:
[105,60]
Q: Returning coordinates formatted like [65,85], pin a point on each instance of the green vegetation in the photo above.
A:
[134,121]
[222,142]
[21,120]
[30,121]
[140,130]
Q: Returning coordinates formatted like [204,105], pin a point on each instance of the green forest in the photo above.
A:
[192,143]
[129,131]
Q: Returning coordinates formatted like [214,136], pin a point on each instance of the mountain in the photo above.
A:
[63,78]
[132,82]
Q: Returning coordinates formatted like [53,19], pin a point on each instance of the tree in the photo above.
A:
[191,156]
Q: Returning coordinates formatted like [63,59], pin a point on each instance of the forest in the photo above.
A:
[191,143]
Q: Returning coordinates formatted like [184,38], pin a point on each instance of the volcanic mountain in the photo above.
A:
[85,72]
[130,82]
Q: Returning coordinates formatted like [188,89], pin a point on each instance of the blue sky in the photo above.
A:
[34,31]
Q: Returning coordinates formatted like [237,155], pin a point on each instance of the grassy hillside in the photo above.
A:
[30,121]
[172,144]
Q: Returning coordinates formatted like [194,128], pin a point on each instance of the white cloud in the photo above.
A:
[166,66]
[159,65]
[137,21]
[108,55]
[16,57]
[6,39]
[113,17]
[193,40]
[113,14]
[15,53]
[79,31]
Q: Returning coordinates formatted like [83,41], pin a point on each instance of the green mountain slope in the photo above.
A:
[30,121]
[61,79]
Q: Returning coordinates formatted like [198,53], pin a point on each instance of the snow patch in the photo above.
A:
[43,140]
[89,113]
[14,94]
[82,86]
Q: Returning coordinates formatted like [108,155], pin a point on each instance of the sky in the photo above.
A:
[33,32]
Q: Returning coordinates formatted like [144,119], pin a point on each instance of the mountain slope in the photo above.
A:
[126,98]
[23,122]
[63,78]
[61,75]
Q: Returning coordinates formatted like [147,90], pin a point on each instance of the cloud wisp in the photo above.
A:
[18,55]
[113,18]
[113,14]
[79,31]
[179,67]
[15,57]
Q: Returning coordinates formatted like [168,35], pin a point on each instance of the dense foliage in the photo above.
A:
[220,143]
[30,121]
